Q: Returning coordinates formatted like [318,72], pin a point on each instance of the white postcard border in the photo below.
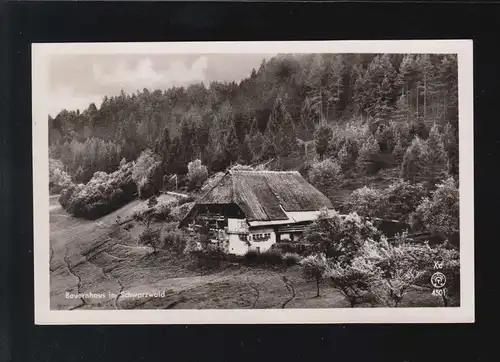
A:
[45,316]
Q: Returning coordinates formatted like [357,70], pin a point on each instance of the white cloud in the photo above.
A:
[143,74]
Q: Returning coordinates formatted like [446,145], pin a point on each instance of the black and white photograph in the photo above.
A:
[254,182]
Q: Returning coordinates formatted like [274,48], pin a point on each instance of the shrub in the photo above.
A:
[270,257]
[175,240]
[103,194]
[313,267]
[290,259]
[162,212]
[58,179]
[325,173]
[151,237]
[251,256]
[197,174]
[148,174]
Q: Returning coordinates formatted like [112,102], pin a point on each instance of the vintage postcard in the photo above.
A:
[253,182]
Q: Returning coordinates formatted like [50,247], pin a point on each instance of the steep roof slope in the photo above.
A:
[263,195]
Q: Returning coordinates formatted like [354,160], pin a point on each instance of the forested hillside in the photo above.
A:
[341,101]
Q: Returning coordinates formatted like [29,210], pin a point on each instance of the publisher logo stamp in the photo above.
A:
[438,280]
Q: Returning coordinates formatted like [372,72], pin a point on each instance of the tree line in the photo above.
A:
[283,104]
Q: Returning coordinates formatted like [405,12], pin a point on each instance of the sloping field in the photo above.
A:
[100,258]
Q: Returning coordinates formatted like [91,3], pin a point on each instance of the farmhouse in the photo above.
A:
[252,210]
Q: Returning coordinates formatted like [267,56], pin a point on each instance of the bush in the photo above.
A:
[290,259]
[151,237]
[162,212]
[325,173]
[103,194]
[58,179]
[197,174]
[270,257]
[251,256]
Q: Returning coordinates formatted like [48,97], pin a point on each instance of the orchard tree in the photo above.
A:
[397,272]
[339,237]
[354,281]
[313,267]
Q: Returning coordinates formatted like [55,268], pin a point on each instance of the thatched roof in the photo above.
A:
[266,195]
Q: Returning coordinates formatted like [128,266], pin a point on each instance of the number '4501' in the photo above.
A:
[439,292]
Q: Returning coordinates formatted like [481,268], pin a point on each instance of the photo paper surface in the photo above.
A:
[253,182]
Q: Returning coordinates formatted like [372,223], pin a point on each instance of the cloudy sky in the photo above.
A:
[77,80]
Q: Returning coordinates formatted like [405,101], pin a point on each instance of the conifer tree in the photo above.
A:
[450,140]
[414,166]
[322,138]
[402,110]
[368,151]
[398,150]
[437,159]
[231,146]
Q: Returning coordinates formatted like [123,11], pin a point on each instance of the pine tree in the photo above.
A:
[322,138]
[381,77]
[402,110]
[359,89]
[245,151]
[450,140]
[437,159]
[414,166]
[427,75]
[231,146]
[398,150]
